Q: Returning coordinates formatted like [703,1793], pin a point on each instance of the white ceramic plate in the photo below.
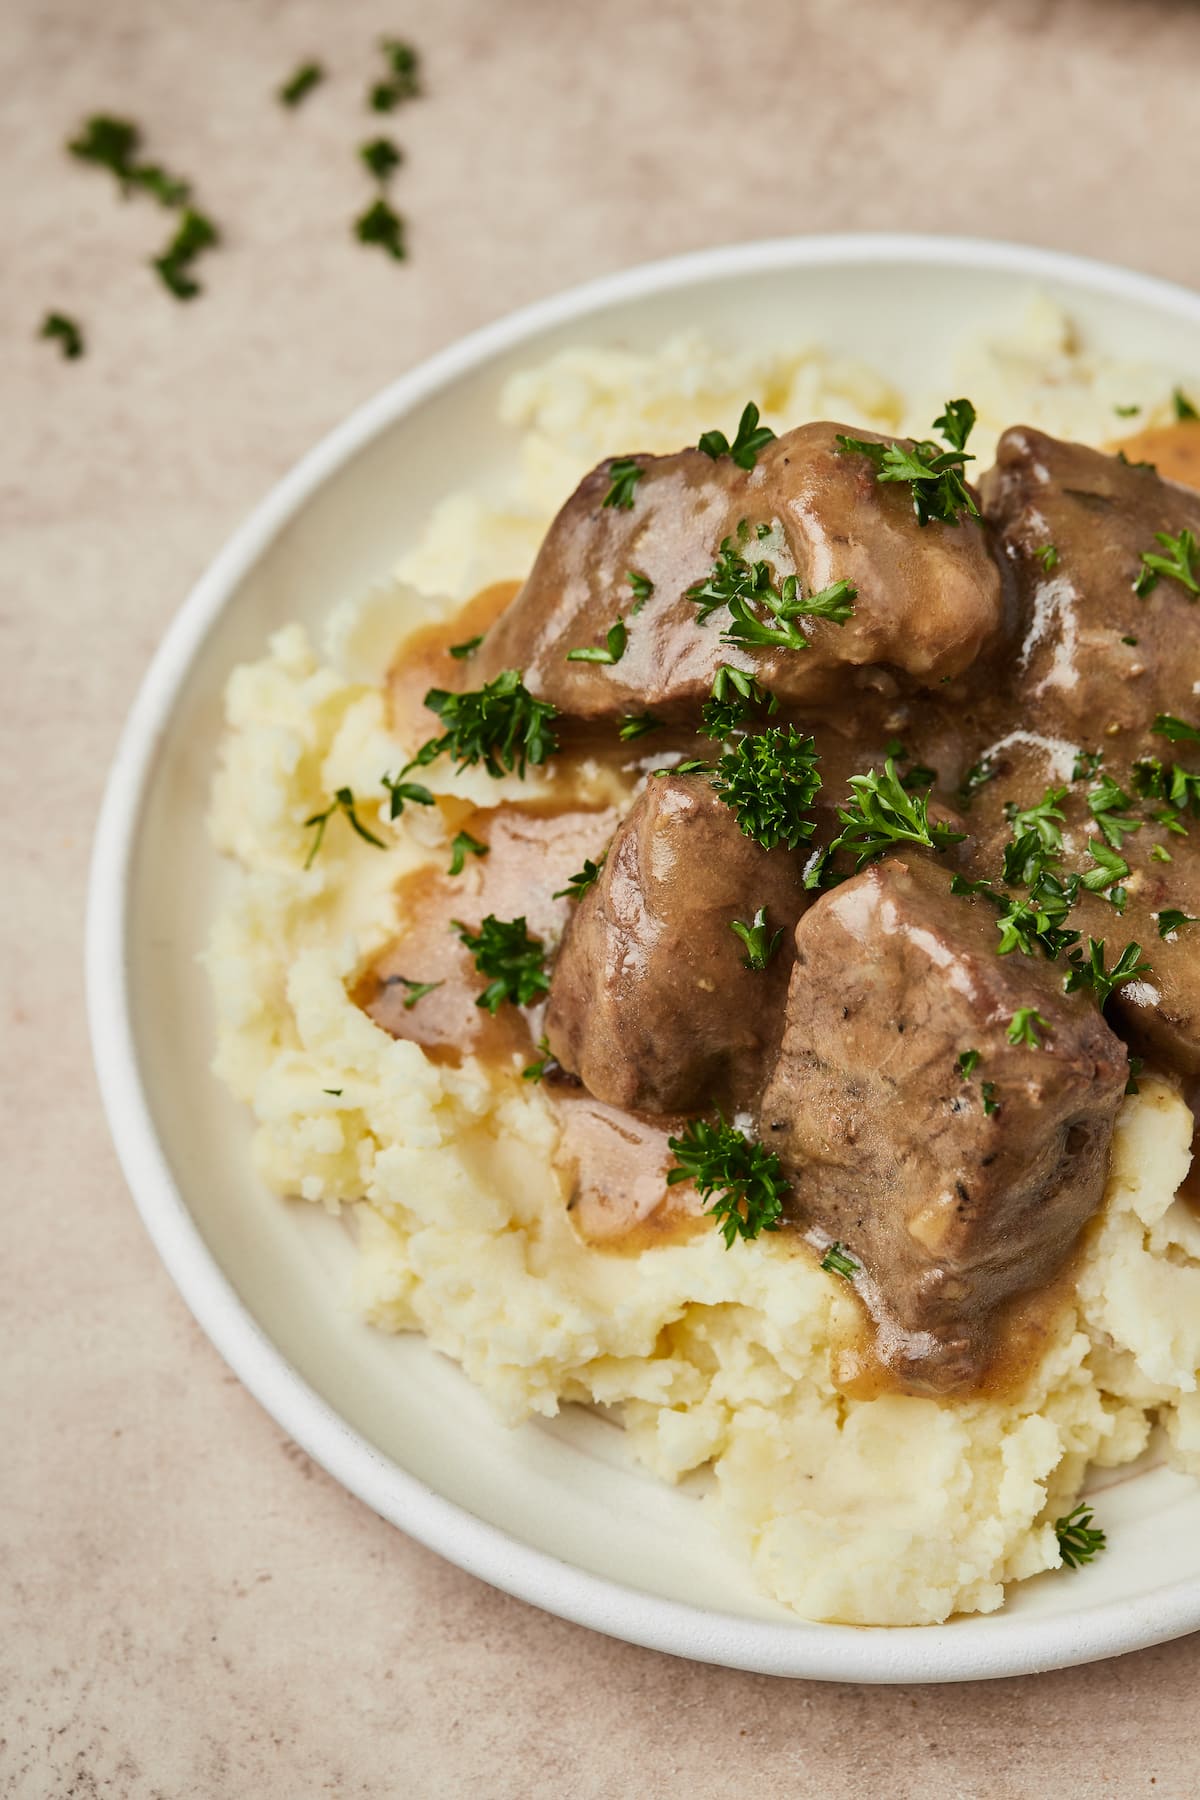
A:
[555,1513]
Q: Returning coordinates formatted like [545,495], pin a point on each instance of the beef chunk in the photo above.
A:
[1074,670]
[952,1196]
[928,598]
[650,1002]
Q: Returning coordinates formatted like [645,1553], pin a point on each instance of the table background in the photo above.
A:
[188,1607]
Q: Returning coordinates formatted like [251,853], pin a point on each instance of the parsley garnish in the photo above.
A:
[535,1070]
[417,990]
[1091,973]
[1178,786]
[968,1061]
[1171,919]
[403,81]
[735,582]
[464,845]
[747,1179]
[750,439]
[460,652]
[1106,802]
[113,144]
[1044,820]
[381,224]
[307,77]
[734,696]
[1176,566]
[1160,853]
[578,885]
[1109,868]
[760,944]
[1126,412]
[194,234]
[881,813]
[1048,557]
[623,475]
[1177,730]
[381,157]
[1087,763]
[636,725]
[642,587]
[1136,1065]
[67,332]
[987,1091]
[403,792]
[977,776]
[500,725]
[1035,921]
[504,950]
[936,475]
[836,1261]
[770,780]
[1025,1025]
[343,802]
[336,1092]
[1184,409]
[611,651]
[1078,1539]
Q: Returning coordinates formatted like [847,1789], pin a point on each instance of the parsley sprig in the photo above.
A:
[770,780]
[343,802]
[1171,920]
[623,476]
[462,846]
[746,1179]
[1178,731]
[1026,1026]
[939,490]
[1088,973]
[500,725]
[751,437]
[515,962]
[739,585]
[735,695]
[1078,1539]
[578,885]
[1177,565]
[883,812]
[1109,805]
[611,651]
[760,942]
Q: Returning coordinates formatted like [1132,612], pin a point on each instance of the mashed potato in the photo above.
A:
[892,1510]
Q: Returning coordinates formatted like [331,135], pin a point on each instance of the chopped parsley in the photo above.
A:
[1136,1065]
[760,944]
[976,777]
[1176,730]
[500,725]
[1048,557]
[611,651]
[882,812]
[750,439]
[746,1179]
[514,961]
[1036,921]
[1108,804]
[343,802]
[1078,1539]
[939,490]
[734,697]
[381,224]
[113,144]
[1171,919]
[737,584]
[623,476]
[336,1092]
[462,846]
[1126,412]
[968,1061]
[460,652]
[837,1261]
[1044,820]
[1184,409]
[403,793]
[770,781]
[642,588]
[1179,787]
[578,885]
[308,76]
[1109,869]
[195,234]
[1091,975]
[1176,565]
[1087,763]
[417,990]
[381,157]
[1160,853]
[403,80]
[1025,1025]
[636,725]
[58,326]
[987,1092]
[535,1070]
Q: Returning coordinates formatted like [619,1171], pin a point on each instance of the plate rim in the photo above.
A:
[976,1648]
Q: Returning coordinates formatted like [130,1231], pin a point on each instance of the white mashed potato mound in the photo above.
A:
[894,1510]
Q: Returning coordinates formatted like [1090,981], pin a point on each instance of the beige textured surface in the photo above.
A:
[188,1607]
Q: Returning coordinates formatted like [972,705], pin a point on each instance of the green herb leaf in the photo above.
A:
[404,792]
[623,475]
[1044,820]
[1184,409]
[987,1093]
[1078,1539]
[747,1179]
[343,802]
[636,725]
[611,651]
[735,695]
[939,491]
[1177,730]
[1126,412]
[417,990]
[642,587]
[66,331]
[1176,565]
[967,1062]
[976,777]
[1048,557]
[579,884]
[956,423]
[770,780]
[504,950]
[1090,972]
[460,652]
[760,944]
[838,1261]
[462,846]
[751,438]
[194,235]
[500,725]
[882,813]
[1108,804]
[381,157]
[535,1070]
[1171,919]
[1136,1065]
[1025,1025]
[403,80]
[336,1092]
[1109,868]
[308,76]
[382,225]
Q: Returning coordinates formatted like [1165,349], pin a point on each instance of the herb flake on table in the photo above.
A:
[65,332]
[113,144]
[744,1180]
[381,157]
[383,226]
[195,234]
[402,81]
[298,86]
[514,961]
